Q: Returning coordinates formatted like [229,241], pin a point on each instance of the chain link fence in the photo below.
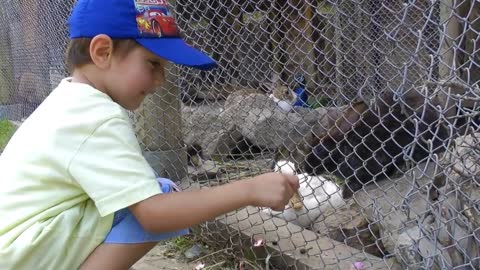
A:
[374,104]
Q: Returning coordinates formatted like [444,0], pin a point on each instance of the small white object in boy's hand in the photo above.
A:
[317,193]
[285,167]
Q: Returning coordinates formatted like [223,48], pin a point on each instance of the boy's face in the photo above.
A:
[132,77]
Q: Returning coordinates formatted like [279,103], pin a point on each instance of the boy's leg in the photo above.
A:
[116,256]
[127,242]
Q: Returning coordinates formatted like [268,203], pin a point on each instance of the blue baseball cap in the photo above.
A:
[149,22]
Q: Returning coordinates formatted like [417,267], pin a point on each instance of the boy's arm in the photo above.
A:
[178,210]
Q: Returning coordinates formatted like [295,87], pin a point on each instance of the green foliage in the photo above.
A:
[183,243]
[317,102]
[6,131]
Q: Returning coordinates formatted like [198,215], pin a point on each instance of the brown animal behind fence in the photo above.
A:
[372,142]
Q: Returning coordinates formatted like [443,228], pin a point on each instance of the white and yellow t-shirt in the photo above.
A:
[67,169]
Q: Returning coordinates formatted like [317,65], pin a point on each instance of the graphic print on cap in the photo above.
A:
[154,19]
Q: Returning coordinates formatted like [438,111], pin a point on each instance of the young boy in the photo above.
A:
[75,190]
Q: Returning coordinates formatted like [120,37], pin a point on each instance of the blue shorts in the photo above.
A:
[127,230]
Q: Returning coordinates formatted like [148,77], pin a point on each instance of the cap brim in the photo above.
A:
[178,52]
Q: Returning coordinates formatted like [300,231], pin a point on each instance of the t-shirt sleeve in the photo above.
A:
[111,169]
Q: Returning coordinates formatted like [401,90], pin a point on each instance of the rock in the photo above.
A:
[335,222]
[393,264]
[202,176]
[394,204]
[194,252]
[458,208]
[239,94]
[348,225]
[313,124]
[424,234]
[226,142]
[212,173]
[249,115]
[258,119]
[418,251]
[201,126]
[205,171]
[455,232]
[261,121]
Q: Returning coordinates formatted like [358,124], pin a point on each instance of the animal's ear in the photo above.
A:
[350,119]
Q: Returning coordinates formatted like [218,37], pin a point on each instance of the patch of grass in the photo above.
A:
[183,243]
[215,256]
[6,131]
[223,253]
[177,246]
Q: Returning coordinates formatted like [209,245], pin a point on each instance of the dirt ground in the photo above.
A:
[171,254]
[161,258]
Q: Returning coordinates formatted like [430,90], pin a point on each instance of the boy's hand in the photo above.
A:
[273,190]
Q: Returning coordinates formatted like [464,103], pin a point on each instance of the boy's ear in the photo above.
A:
[101,51]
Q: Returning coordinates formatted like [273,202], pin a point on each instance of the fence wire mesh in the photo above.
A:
[374,104]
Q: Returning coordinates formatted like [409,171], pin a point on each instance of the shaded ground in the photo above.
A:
[162,258]
[169,255]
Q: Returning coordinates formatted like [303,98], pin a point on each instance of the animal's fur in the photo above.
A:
[371,142]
